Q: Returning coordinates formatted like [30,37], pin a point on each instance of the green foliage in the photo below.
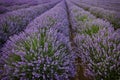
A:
[82,18]
[91,30]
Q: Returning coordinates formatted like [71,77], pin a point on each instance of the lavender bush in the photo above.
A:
[43,54]
[16,21]
[55,18]
[106,4]
[64,43]
[81,4]
[106,14]
[93,27]
[111,16]
[100,53]
[25,5]
[92,41]
[40,52]
[79,17]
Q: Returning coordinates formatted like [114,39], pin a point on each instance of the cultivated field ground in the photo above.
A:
[59,39]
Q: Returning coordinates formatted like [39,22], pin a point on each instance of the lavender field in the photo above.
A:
[59,40]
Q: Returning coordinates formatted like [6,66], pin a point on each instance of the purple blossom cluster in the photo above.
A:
[96,43]
[100,53]
[79,17]
[106,4]
[55,18]
[58,40]
[20,2]
[3,9]
[42,51]
[16,21]
[38,55]
[111,16]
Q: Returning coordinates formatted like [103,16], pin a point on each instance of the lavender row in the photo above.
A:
[97,45]
[55,17]
[15,7]
[14,2]
[40,55]
[82,20]
[41,51]
[100,53]
[106,4]
[20,2]
[4,9]
[111,16]
[79,17]
[16,21]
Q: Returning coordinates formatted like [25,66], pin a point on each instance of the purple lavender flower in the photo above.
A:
[55,18]
[16,21]
[100,52]
[39,55]
[99,12]
[42,51]
[10,3]
[79,16]
[85,23]
[3,9]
